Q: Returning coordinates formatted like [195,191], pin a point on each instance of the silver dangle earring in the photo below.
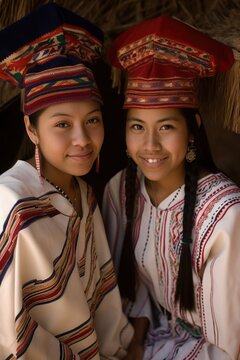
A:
[38,163]
[127,153]
[191,152]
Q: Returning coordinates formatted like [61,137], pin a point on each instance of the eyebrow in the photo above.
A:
[159,120]
[69,115]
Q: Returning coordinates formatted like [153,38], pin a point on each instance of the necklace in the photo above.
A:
[61,191]
[175,196]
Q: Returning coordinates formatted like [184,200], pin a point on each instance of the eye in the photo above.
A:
[93,121]
[62,124]
[166,127]
[136,127]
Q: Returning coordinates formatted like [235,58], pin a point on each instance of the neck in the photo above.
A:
[65,182]
[158,191]
[73,195]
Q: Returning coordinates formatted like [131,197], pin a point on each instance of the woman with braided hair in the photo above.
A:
[172,219]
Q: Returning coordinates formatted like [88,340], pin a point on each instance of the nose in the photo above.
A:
[152,140]
[80,136]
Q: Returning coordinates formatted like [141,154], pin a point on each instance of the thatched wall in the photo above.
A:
[219,18]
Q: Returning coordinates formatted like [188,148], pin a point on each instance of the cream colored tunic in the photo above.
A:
[58,293]
[213,330]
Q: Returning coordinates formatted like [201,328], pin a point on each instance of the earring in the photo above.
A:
[127,153]
[97,164]
[191,152]
[37,163]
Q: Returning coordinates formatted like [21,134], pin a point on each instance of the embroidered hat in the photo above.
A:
[162,57]
[49,54]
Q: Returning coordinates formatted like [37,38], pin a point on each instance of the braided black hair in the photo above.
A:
[127,278]
[184,287]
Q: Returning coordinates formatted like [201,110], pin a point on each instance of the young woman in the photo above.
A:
[58,292]
[176,248]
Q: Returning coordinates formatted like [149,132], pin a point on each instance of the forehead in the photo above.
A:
[79,107]
[157,114]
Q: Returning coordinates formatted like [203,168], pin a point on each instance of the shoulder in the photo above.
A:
[21,178]
[114,192]
[116,184]
[217,196]
[117,179]
[18,185]
[13,193]
[217,185]
[13,185]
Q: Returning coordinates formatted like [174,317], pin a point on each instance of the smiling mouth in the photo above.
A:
[154,161]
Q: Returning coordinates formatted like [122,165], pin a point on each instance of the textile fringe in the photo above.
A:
[231,103]
[116,78]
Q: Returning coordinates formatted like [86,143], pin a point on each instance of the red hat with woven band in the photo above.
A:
[49,53]
[162,57]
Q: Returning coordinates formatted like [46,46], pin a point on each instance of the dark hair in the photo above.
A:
[26,150]
[127,270]
[184,287]
[127,274]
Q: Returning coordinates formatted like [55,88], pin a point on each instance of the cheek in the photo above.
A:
[98,137]
[53,142]
[178,146]
[132,141]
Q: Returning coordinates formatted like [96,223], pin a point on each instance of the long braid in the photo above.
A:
[184,288]
[127,273]
[127,269]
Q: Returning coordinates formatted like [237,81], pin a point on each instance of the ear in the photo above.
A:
[198,120]
[31,131]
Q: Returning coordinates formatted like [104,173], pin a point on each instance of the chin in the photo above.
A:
[83,171]
[152,177]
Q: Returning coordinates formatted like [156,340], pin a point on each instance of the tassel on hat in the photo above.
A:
[219,97]
[116,78]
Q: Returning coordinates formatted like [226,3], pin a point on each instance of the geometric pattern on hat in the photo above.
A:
[167,52]
[61,45]
[35,49]
[169,55]
[160,93]
[68,82]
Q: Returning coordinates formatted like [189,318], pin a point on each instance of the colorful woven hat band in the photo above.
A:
[53,61]
[162,58]
[159,93]
[57,85]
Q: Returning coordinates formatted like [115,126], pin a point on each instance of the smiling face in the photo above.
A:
[69,136]
[157,141]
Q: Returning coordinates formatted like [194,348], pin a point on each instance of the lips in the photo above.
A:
[82,155]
